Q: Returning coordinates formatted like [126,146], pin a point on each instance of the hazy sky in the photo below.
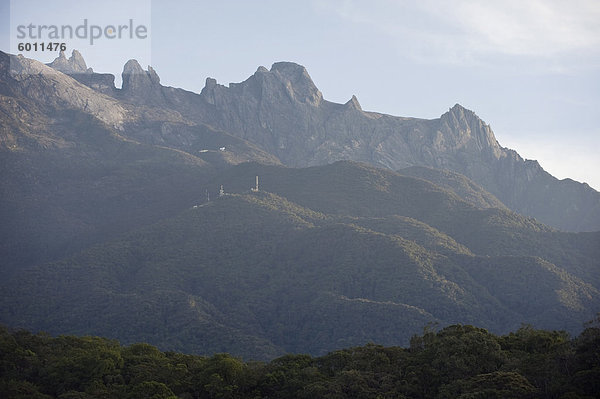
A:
[530,68]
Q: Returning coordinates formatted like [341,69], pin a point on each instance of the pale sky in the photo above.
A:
[529,68]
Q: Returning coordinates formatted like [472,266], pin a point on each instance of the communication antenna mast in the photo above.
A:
[221,191]
[207,196]
[255,189]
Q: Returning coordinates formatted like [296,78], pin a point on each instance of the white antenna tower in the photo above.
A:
[255,189]
[221,191]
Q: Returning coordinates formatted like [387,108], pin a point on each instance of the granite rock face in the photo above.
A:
[282,112]
[76,68]
[141,84]
[74,65]
[46,85]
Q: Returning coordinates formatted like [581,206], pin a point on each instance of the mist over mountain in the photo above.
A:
[365,227]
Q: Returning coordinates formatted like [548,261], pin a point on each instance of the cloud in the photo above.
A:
[538,28]
[473,32]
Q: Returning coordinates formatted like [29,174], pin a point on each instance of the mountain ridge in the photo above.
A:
[114,221]
[258,275]
[284,113]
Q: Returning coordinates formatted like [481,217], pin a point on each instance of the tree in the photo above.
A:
[496,385]
[543,357]
[151,390]
[587,359]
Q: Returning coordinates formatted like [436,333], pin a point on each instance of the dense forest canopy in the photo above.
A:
[459,361]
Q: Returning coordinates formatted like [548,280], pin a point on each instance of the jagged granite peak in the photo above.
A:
[268,110]
[39,82]
[78,62]
[285,80]
[153,75]
[132,67]
[282,111]
[458,113]
[61,62]
[210,82]
[298,82]
[74,65]
[464,128]
[208,93]
[353,104]
[141,84]
[457,108]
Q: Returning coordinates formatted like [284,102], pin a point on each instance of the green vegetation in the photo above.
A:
[88,187]
[257,275]
[456,183]
[460,361]
[99,237]
[357,190]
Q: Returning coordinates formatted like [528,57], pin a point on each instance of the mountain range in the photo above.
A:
[366,227]
[283,112]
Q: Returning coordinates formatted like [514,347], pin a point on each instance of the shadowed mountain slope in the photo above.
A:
[258,275]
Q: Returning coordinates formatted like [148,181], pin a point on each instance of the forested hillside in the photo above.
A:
[258,275]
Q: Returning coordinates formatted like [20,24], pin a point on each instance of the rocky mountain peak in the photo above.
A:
[73,65]
[353,104]
[57,90]
[459,108]
[297,81]
[281,111]
[285,81]
[465,129]
[458,112]
[76,67]
[138,82]
[132,67]
[457,116]
[289,69]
